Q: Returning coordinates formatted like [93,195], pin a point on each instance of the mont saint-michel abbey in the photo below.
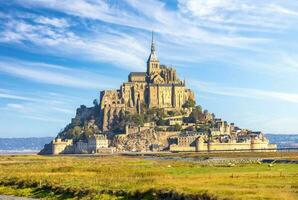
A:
[152,111]
[158,87]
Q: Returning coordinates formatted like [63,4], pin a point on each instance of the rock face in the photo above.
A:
[139,141]
[47,150]
[86,122]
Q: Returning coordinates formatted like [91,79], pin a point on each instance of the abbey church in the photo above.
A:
[158,87]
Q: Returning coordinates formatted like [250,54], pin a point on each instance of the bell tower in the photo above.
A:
[152,63]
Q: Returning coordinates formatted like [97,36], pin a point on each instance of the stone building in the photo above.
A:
[95,144]
[61,146]
[222,128]
[158,87]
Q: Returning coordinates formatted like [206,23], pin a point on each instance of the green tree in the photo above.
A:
[176,127]
[76,121]
[119,122]
[95,103]
[161,122]
[196,115]
[189,104]
[76,130]
[137,119]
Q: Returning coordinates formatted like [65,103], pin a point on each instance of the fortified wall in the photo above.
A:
[198,143]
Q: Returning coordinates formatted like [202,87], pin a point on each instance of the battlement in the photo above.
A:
[61,146]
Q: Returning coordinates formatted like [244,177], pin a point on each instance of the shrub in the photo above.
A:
[189,104]
[176,127]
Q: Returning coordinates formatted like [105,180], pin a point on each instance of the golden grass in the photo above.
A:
[116,176]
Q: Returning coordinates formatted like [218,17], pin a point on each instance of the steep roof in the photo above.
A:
[137,74]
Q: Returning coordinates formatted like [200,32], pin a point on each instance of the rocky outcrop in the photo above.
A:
[47,149]
[137,141]
[86,121]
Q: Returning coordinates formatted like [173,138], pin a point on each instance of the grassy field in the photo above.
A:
[275,155]
[123,177]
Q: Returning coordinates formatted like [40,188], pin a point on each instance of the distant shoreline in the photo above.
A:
[16,152]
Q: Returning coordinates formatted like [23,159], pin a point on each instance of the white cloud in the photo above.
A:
[56,22]
[214,88]
[262,14]
[282,10]
[55,75]
[129,50]
[15,106]
[43,118]
[146,15]
[17,97]
[108,46]
[188,27]
[58,108]
[207,8]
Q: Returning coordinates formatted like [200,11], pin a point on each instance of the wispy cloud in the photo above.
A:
[245,13]
[192,26]
[41,107]
[56,22]
[55,37]
[214,88]
[196,30]
[146,15]
[15,106]
[55,75]
[43,118]
[17,97]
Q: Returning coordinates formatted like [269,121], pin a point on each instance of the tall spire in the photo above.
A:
[152,43]
[153,56]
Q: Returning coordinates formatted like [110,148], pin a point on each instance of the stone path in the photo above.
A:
[6,197]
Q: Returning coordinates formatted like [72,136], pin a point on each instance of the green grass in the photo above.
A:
[120,177]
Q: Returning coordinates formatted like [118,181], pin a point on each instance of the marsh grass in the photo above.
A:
[121,177]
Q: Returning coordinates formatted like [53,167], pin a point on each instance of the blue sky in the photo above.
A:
[240,57]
